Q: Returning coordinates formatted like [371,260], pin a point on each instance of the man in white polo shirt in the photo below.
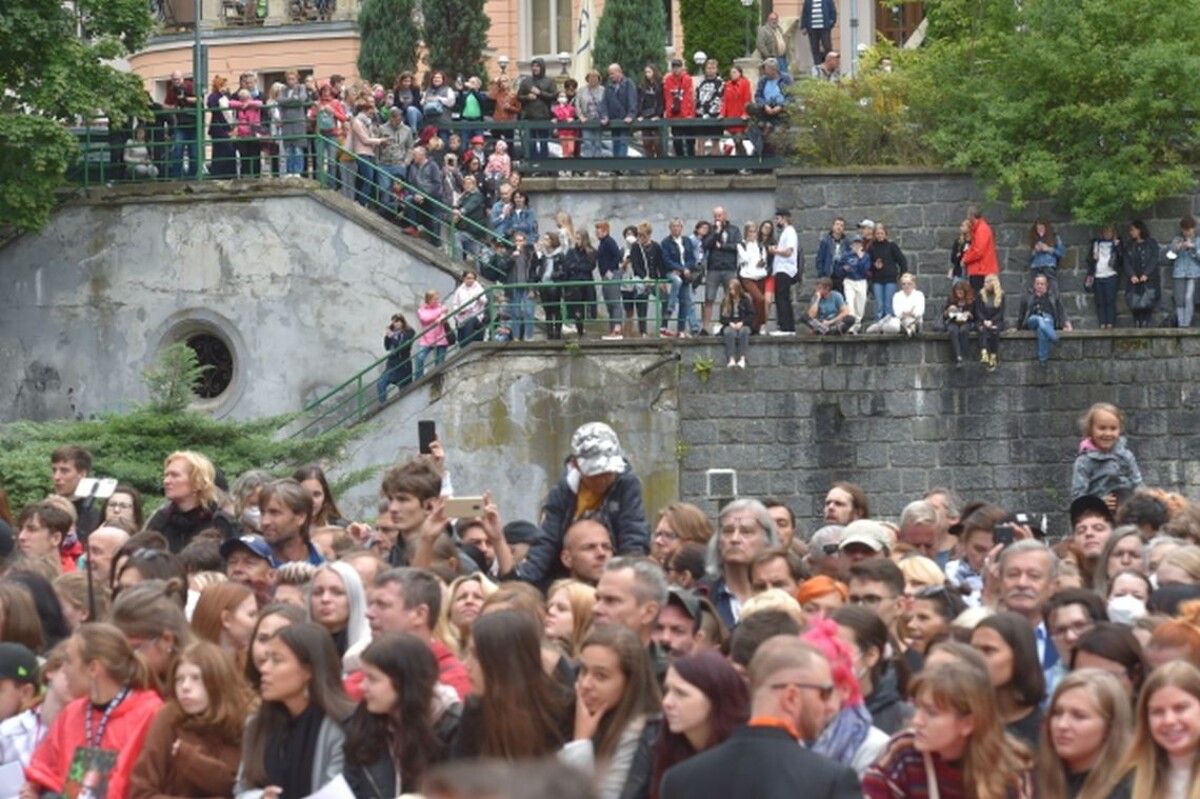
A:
[787,273]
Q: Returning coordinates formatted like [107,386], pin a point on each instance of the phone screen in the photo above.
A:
[426,435]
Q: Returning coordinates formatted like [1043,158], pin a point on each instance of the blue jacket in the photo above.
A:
[1186,263]
[827,6]
[1048,260]
[621,99]
[671,255]
[854,267]
[828,252]
[785,82]
[621,511]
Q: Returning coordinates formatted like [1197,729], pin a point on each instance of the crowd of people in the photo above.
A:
[249,640]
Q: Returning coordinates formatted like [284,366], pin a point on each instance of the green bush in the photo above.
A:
[133,446]
[388,40]
[718,27]
[456,34]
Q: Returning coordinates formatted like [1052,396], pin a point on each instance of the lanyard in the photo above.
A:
[94,743]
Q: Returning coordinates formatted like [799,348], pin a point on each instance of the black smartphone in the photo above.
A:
[426,435]
[1003,535]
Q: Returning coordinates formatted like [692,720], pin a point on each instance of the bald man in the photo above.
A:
[103,544]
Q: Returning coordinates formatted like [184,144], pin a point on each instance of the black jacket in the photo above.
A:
[377,780]
[646,260]
[889,711]
[760,762]
[621,511]
[892,258]
[180,527]
[987,311]
[723,250]
[1048,304]
[641,771]
[1141,258]
[742,312]
[579,265]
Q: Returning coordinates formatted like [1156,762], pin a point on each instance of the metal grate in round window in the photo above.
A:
[214,353]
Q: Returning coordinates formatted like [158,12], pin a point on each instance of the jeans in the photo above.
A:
[679,299]
[185,142]
[521,311]
[1185,300]
[620,143]
[1046,334]
[612,300]
[736,341]
[958,338]
[439,355]
[294,150]
[413,118]
[365,181]
[593,143]
[384,174]
[539,142]
[1105,289]
[989,339]
[883,299]
[327,161]
[785,315]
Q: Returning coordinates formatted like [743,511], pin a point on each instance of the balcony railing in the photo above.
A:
[180,14]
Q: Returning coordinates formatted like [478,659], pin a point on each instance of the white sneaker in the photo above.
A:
[783,332]
[741,363]
[732,364]
[612,337]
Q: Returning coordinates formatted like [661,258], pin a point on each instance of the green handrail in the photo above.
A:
[349,402]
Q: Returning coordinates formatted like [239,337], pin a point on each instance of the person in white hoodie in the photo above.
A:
[908,310]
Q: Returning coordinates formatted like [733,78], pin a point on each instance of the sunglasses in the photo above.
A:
[824,691]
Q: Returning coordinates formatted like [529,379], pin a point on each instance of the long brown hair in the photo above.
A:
[1146,760]
[215,601]
[523,708]
[229,698]
[961,293]
[1048,237]
[1112,703]
[21,623]
[993,763]
[313,647]
[729,300]
[641,696]
[329,509]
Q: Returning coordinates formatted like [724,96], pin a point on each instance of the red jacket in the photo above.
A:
[671,87]
[980,257]
[737,96]
[125,734]
[68,556]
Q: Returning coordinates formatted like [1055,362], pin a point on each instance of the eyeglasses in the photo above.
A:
[666,535]
[930,591]
[119,505]
[823,690]
[870,600]
[1074,630]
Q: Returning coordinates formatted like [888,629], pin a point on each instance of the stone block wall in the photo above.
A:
[896,417]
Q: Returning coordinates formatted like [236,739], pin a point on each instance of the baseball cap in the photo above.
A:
[856,237]
[866,223]
[868,533]
[17,663]
[1088,504]
[477,140]
[686,600]
[521,532]
[597,450]
[255,543]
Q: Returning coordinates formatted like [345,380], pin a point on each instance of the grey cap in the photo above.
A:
[597,450]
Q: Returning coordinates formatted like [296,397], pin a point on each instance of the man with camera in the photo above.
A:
[679,102]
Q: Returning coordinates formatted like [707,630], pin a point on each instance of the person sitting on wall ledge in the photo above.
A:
[828,313]
[1043,312]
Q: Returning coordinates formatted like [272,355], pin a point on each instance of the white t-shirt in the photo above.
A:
[786,264]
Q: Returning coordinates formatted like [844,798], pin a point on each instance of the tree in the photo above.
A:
[632,33]
[134,445]
[718,27]
[1092,102]
[456,35]
[388,41]
[55,67]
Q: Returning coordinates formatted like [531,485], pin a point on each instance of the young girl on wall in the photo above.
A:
[1104,466]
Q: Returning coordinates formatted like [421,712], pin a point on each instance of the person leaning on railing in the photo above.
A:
[579,267]
[395,154]
[470,218]
[329,117]
[292,102]
[469,303]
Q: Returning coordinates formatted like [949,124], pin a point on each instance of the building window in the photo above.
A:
[551,27]
[213,352]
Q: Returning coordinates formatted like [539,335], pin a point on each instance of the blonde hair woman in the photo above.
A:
[957,740]
[989,320]
[1162,761]
[569,606]
[190,487]
[1088,727]
[464,603]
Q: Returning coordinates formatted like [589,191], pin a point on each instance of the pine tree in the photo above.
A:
[718,27]
[632,33]
[389,39]
[456,34]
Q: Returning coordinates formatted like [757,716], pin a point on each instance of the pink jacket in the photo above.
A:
[436,337]
[249,118]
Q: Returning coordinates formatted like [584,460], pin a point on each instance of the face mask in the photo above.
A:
[562,98]
[631,239]
[252,516]
[1126,609]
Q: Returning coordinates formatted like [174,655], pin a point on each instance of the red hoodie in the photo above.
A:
[451,672]
[124,735]
[980,257]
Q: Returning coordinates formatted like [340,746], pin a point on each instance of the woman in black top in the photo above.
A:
[650,108]
[294,744]
[1140,259]
[737,318]
[887,263]
[402,727]
[579,266]
[959,318]
[1007,644]
[989,320]
[644,263]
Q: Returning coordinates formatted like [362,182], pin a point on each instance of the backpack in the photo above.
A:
[326,120]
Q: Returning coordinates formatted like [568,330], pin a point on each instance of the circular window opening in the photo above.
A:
[213,353]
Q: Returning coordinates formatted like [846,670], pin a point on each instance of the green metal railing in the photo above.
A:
[561,308]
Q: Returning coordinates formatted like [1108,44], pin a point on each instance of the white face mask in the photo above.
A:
[631,239]
[252,516]
[562,98]
[1126,609]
